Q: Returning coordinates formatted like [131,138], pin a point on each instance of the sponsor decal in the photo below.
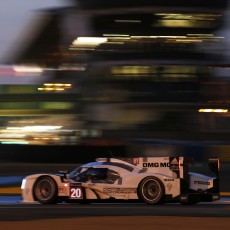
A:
[168,179]
[135,161]
[174,162]
[175,165]
[76,192]
[91,184]
[184,197]
[119,190]
[155,165]
[120,180]
[202,182]
[61,189]
[216,197]
[169,186]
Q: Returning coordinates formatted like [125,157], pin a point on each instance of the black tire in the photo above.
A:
[192,200]
[45,190]
[151,190]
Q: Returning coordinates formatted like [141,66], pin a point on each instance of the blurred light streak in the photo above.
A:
[27,69]
[89,41]
[213,110]
[36,128]
[15,142]
[10,135]
[55,87]
[58,84]
[47,138]
[51,89]
[115,35]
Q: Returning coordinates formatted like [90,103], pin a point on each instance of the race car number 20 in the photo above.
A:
[76,192]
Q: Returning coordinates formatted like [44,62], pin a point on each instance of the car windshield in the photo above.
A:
[77,171]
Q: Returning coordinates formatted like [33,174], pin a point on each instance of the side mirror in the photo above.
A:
[64,172]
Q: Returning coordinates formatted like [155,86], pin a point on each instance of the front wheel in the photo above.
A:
[151,190]
[45,190]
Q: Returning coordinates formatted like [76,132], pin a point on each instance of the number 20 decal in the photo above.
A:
[75,193]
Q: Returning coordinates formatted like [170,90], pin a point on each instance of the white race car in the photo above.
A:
[152,180]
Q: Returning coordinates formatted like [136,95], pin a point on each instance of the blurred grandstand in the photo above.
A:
[134,73]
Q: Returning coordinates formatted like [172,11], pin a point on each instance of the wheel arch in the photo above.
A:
[40,177]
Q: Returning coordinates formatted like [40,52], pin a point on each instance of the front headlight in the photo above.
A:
[23,184]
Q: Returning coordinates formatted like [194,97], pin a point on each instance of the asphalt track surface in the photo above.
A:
[12,209]
[15,215]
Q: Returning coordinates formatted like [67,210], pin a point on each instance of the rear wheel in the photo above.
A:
[45,190]
[151,190]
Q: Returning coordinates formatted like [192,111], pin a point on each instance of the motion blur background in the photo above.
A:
[89,78]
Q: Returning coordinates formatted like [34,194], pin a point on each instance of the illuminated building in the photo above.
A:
[139,70]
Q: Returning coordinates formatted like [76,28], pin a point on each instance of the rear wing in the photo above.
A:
[214,166]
